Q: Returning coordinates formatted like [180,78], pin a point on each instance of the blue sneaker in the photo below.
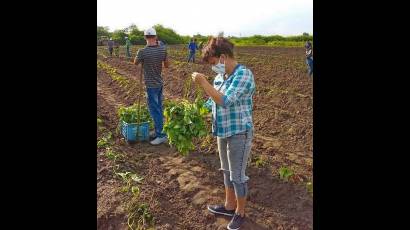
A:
[236,222]
[220,209]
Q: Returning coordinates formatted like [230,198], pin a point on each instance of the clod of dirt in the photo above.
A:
[200,198]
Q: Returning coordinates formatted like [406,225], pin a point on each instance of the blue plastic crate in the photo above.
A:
[129,131]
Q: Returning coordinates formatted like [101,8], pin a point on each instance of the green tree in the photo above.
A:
[102,31]
[130,28]
[119,36]
[201,38]
[136,36]
[169,36]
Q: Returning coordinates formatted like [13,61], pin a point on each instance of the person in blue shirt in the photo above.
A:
[192,48]
[309,57]
[161,43]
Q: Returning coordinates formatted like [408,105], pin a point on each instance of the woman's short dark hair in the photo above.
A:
[217,46]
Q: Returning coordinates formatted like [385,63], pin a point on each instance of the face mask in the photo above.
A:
[219,68]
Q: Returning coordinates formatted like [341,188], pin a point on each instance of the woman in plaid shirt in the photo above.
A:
[231,104]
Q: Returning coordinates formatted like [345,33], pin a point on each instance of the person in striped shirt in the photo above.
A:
[152,56]
[231,104]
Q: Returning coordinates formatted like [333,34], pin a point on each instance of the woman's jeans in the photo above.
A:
[233,153]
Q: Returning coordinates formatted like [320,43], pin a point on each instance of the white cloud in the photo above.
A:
[186,17]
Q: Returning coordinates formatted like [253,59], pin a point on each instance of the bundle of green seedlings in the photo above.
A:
[132,114]
[185,121]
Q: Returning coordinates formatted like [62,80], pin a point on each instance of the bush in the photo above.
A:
[119,36]
[168,35]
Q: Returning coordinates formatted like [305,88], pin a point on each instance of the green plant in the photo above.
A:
[128,178]
[139,216]
[260,161]
[105,140]
[110,154]
[99,121]
[130,114]
[100,124]
[309,187]
[124,175]
[136,178]
[113,73]
[135,190]
[285,173]
[183,122]
[114,156]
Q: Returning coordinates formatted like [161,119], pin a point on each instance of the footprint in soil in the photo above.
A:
[201,195]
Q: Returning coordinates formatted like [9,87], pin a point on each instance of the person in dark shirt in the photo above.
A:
[110,46]
[128,47]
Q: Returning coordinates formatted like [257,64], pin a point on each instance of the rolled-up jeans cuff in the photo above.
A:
[241,189]
[227,182]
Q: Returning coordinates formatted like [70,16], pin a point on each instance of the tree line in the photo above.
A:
[169,36]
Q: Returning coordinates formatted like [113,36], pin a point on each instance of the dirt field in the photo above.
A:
[176,189]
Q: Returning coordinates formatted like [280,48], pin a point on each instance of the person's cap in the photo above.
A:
[150,31]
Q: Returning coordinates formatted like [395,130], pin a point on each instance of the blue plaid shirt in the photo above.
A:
[235,115]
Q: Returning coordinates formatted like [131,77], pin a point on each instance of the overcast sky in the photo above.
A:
[208,17]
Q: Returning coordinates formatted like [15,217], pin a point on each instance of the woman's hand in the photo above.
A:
[198,78]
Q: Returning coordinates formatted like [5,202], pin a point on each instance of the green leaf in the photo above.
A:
[123,175]
[135,190]
[184,123]
[285,173]
[202,133]
[136,178]
[203,111]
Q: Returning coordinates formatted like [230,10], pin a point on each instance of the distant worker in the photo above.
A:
[192,48]
[201,45]
[128,46]
[309,57]
[110,46]
[160,43]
